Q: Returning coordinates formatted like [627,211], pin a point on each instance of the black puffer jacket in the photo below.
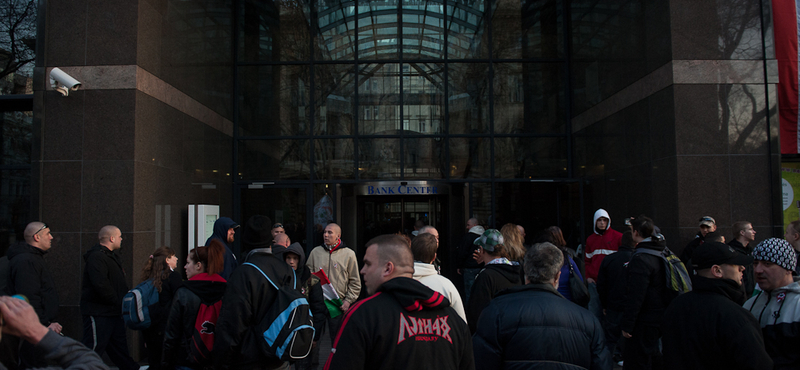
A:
[202,288]
[647,295]
[534,327]
[493,279]
[611,279]
[246,301]
[104,283]
[28,275]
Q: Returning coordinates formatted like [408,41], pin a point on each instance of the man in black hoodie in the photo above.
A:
[309,285]
[104,285]
[402,322]
[29,275]
[247,299]
[225,231]
[611,287]
[708,327]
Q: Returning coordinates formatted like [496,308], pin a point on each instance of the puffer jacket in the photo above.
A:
[534,327]
[201,288]
[493,279]
[778,314]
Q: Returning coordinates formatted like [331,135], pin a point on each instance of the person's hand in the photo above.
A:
[476,255]
[56,327]
[590,280]
[21,320]
[345,306]
[626,334]
[459,271]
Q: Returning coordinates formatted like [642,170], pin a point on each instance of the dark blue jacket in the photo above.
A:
[533,327]
[221,227]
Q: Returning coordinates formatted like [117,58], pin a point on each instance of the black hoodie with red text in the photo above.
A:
[404,325]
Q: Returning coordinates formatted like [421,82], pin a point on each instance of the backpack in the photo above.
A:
[136,305]
[287,328]
[678,280]
[205,326]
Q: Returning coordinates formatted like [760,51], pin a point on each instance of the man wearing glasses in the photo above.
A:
[743,236]
[30,276]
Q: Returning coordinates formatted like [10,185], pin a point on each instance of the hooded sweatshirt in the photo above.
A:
[28,275]
[778,314]
[404,325]
[221,227]
[467,247]
[600,244]
[310,287]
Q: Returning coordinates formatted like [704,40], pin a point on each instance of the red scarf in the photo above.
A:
[333,248]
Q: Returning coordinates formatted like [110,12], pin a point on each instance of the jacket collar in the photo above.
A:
[532,287]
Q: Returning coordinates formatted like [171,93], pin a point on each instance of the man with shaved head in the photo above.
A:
[341,266]
[29,275]
[403,323]
[104,285]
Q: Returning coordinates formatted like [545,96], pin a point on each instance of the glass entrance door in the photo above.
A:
[389,215]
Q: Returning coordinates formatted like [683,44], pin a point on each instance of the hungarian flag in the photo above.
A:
[785,16]
[332,300]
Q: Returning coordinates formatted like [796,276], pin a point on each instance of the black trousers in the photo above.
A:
[102,333]
[643,349]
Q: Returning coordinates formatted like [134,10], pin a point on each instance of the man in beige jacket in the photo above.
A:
[341,267]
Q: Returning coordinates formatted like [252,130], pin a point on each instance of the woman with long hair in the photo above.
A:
[498,273]
[203,291]
[554,235]
[513,242]
[160,268]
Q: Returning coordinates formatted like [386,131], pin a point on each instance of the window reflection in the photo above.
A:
[274,31]
[470,157]
[424,158]
[334,102]
[273,159]
[526,158]
[333,159]
[379,159]
[529,98]
[16,138]
[15,204]
[423,98]
[466,29]
[468,98]
[274,100]
[379,99]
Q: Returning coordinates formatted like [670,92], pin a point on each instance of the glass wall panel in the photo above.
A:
[423,30]
[15,205]
[379,99]
[470,158]
[335,30]
[482,203]
[468,98]
[273,31]
[274,160]
[379,159]
[466,33]
[18,45]
[527,29]
[527,158]
[377,30]
[333,159]
[16,138]
[424,158]
[274,100]
[529,98]
[286,206]
[334,101]
[423,98]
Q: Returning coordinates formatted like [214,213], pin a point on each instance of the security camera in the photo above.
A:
[62,82]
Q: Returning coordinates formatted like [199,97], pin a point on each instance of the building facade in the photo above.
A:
[375,114]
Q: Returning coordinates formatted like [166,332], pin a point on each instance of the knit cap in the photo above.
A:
[489,239]
[777,251]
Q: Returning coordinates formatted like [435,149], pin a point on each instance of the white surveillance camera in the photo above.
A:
[62,82]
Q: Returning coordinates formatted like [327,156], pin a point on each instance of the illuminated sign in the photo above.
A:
[402,190]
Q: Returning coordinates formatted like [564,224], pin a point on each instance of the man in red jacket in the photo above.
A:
[603,242]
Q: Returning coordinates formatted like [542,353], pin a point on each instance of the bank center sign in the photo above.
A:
[403,188]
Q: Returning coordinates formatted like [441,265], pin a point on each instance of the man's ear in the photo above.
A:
[388,269]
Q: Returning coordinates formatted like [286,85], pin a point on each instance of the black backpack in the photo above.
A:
[287,329]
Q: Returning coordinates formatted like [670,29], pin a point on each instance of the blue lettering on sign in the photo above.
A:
[370,190]
[435,191]
[400,189]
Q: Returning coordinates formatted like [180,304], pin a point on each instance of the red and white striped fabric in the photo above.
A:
[785,15]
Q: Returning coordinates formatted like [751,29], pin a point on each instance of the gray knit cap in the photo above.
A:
[777,251]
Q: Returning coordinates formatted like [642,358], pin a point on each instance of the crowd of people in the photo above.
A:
[519,306]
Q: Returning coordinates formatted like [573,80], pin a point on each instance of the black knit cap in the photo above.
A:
[256,233]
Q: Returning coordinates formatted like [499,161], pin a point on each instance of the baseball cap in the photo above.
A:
[489,239]
[714,253]
[707,221]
